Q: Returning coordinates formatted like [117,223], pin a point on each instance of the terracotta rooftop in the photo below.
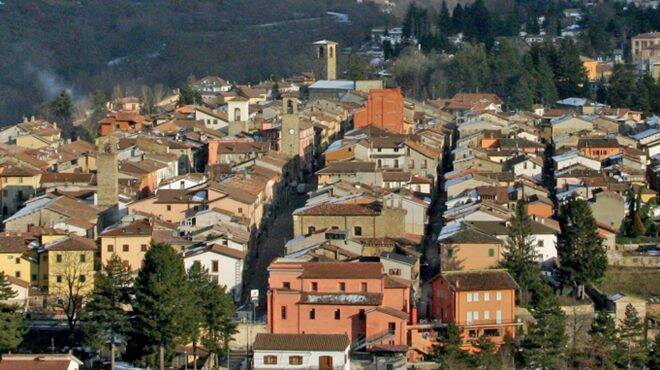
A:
[137,228]
[479,280]
[359,299]
[343,270]
[342,209]
[301,342]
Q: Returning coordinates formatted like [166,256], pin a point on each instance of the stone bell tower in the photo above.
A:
[107,172]
[290,133]
[326,53]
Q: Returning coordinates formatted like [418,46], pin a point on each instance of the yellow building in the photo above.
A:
[67,264]
[596,70]
[14,256]
[129,242]
[18,184]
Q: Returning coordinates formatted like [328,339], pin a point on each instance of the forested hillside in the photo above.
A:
[90,45]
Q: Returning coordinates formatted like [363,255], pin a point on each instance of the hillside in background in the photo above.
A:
[89,45]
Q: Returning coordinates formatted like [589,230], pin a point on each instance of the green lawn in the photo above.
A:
[643,283]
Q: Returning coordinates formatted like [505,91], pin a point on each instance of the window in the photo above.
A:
[240,210]
[491,332]
[450,253]
[342,287]
[17,261]
[18,274]
[311,229]
[391,327]
[475,296]
[395,272]
[498,296]
[337,314]
[58,258]
[286,285]
[169,207]
[214,266]
[111,248]
[124,247]
[270,360]
[143,247]
[486,315]
[357,230]
[472,334]
[283,312]
[362,315]
[498,316]
[312,314]
[315,286]
[363,287]
[34,277]
[475,315]
[491,252]
[295,360]
[82,278]
[83,258]
[486,296]
[58,278]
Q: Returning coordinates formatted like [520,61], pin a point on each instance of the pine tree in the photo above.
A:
[605,344]
[582,257]
[631,332]
[545,343]
[162,301]
[62,107]
[448,354]
[458,19]
[485,354]
[519,256]
[189,96]
[107,319]
[12,327]
[546,91]
[198,280]
[275,91]
[444,22]
[523,93]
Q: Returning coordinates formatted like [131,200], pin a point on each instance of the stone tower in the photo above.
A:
[107,171]
[290,127]
[326,53]
[238,115]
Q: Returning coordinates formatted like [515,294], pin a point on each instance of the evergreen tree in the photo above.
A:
[218,326]
[621,85]
[570,75]
[162,302]
[605,344]
[275,91]
[448,354]
[654,354]
[545,343]
[579,247]
[519,256]
[12,326]
[189,96]
[458,18]
[631,332]
[485,354]
[444,22]
[546,91]
[638,228]
[62,107]
[198,281]
[523,93]
[107,319]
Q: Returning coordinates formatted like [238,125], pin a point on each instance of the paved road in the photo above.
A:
[270,245]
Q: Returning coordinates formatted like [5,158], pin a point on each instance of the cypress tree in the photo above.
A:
[444,21]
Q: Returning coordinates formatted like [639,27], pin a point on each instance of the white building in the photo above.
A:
[224,264]
[301,351]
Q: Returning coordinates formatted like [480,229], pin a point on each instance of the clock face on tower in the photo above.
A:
[292,131]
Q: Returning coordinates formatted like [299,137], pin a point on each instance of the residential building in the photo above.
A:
[383,109]
[223,263]
[301,351]
[45,361]
[121,121]
[470,249]
[480,303]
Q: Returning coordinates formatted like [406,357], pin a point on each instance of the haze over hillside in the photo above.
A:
[88,45]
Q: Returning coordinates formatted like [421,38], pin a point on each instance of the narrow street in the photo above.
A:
[270,245]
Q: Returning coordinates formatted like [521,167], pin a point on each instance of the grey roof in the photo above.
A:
[409,260]
[333,84]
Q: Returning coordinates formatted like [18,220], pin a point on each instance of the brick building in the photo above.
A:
[384,109]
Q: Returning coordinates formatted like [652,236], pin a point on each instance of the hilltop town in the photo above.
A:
[345,219]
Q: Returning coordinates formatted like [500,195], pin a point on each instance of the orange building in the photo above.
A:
[599,148]
[352,298]
[480,303]
[384,109]
[120,121]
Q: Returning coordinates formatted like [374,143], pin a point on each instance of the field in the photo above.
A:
[643,283]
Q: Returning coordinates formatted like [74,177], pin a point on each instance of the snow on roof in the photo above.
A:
[574,102]
[32,206]
[565,156]
[646,133]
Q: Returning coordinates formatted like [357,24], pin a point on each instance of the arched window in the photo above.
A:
[289,107]
[320,52]
[331,51]
[237,114]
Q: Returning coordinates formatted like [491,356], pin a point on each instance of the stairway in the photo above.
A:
[236,358]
